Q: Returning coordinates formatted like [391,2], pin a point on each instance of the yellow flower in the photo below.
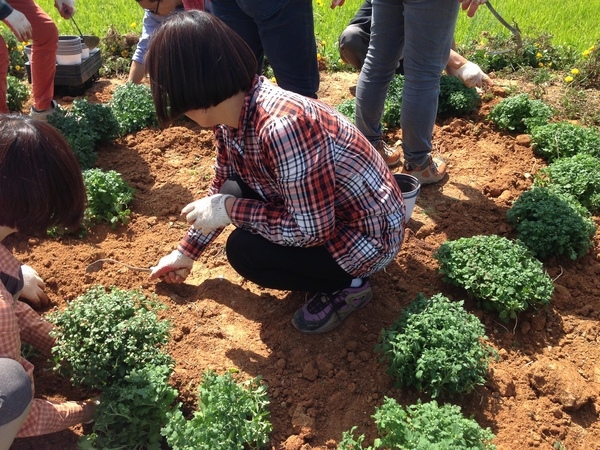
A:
[541,64]
[575,71]
[17,68]
[323,43]
[568,79]
[319,3]
[133,25]
[19,47]
[124,53]
[538,55]
[273,80]
[340,61]
[586,53]
[319,57]
[550,64]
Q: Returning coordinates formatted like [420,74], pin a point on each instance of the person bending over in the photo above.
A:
[42,186]
[314,206]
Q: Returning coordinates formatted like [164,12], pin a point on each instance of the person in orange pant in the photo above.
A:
[27,20]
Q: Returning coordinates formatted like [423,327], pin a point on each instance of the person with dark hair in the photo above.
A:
[27,20]
[353,44]
[314,205]
[155,11]
[42,186]
[281,30]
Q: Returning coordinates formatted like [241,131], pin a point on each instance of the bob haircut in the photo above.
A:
[41,184]
[195,61]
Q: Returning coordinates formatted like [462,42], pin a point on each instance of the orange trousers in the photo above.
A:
[43,55]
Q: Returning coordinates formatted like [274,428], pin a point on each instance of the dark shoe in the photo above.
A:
[42,115]
[391,155]
[323,312]
[431,171]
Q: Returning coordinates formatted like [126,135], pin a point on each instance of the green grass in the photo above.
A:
[572,23]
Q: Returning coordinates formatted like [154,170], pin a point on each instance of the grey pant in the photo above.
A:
[421,32]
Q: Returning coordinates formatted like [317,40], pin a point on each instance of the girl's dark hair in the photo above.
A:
[195,61]
[41,184]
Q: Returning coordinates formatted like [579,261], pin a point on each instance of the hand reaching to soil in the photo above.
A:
[172,268]
[33,288]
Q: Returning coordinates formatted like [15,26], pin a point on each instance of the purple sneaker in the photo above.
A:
[325,311]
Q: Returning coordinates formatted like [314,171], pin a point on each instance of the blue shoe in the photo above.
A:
[325,311]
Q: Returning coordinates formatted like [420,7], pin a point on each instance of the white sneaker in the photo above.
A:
[42,115]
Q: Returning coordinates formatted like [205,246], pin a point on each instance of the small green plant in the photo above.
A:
[99,119]
[77,134]
[501,274]
[348,109]
[16,54]
[230,415]
[16,94]
[133,108]
[552,223]
[117,50]
[519,113]
[577,175]
[436,347]
[393,103]
[133,411]
[564,139]
[108,197]
[103,335]
[455,98]
[422,426]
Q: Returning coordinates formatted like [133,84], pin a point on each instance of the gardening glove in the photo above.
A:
[207,214]
[172,268]
[471,5]
[21,27]
[471,75]
[66,8]
[33,287]
[335,3]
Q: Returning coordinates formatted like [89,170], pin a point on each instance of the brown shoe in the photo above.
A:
[431,171]
[391,155]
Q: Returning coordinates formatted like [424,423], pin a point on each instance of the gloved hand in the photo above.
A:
[172,268]
[66,8]
[33,287]
[207,214]
[471,5]
[471,75]
[21,27]
[335,3]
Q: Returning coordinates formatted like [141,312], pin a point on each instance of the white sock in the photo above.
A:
[357,282]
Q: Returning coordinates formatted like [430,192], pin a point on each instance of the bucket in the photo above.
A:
[410,188]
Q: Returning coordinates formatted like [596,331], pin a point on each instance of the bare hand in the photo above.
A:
[471,5]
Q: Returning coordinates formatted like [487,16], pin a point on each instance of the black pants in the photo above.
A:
[277,266]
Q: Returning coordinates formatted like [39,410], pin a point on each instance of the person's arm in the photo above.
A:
[137,70]
[469,73]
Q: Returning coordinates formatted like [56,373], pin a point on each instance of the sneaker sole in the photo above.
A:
[336,319]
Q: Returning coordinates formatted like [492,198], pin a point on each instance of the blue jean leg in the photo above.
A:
[421,31]
[385,49]
[428,33]
[283,30]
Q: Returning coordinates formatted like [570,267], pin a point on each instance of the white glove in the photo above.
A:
[33,287]
[66,8]
[471,75]
[17,21]
[172,268]
[207,214]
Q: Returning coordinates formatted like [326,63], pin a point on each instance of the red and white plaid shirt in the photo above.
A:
[18,322]
[322,182]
